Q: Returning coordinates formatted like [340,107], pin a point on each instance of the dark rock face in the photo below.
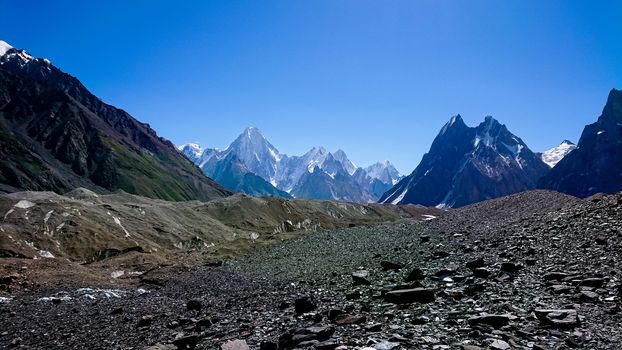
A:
[467,165]
[596,164]
[55,136]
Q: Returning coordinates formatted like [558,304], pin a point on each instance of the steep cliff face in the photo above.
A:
[596,164]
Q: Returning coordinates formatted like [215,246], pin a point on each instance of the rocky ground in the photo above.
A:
[537,270]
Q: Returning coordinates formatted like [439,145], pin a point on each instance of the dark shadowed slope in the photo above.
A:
[55,135]
[596,164]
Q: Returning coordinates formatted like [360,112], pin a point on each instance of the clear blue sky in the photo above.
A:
[375,78]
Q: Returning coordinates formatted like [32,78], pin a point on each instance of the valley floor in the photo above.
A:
[537,270]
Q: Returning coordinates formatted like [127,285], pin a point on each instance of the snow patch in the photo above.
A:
[554,155]
[118,222]
[400,197]
[24,204]
[117,274]
[47,216]
[4,47]
[46,254]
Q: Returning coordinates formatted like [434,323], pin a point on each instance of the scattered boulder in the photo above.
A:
[415,274]
[145,321]
[592,282]
[511,267]
[190,342]
[345,319]
[473,264]
[304,305]
[496,321]
[194,305]
[268,346]
[388,265]
[236,344]
[408,296]
[360,277]
[563,319]
[499,344]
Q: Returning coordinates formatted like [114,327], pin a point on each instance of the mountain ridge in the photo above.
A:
[469,164]
[300,176]
[60,136]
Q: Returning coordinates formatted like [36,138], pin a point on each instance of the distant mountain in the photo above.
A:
[317,174]
[55,136]
[467,165]
[232,173]
[377,178]
[555,154]
[596,164]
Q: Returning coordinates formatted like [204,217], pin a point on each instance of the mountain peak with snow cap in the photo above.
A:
[4,47]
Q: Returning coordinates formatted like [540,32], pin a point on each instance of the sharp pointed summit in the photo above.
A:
[467,165]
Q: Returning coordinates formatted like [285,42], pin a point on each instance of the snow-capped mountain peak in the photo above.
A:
[341,156]
[192,148]
[384,171]
[552,156]
[4,47]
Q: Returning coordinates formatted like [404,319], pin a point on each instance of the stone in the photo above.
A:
[499,344]
[588,296]
[388,265]
[592,282]
[345,319]
[304,305]
[145,321]
[236,344]
[194,305]
[408,296]
[320,333]
[353,295]
[496,321]
[415,274]
[555,276]
[190,342]
[481,272]
[160,346]
[268,346]
[473,264]
[327,345]
[510,267]
[562,319]
[360,277]
[333,314]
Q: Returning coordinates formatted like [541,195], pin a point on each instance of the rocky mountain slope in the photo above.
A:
[84,226]
[55,135]
[554,155]
[318,174]
[535,270]
[596,165]
[469,164]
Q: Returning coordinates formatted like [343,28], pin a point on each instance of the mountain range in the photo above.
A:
[317,174]
[469,164]
[55,135]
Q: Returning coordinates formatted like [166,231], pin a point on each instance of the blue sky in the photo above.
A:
[375,78]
